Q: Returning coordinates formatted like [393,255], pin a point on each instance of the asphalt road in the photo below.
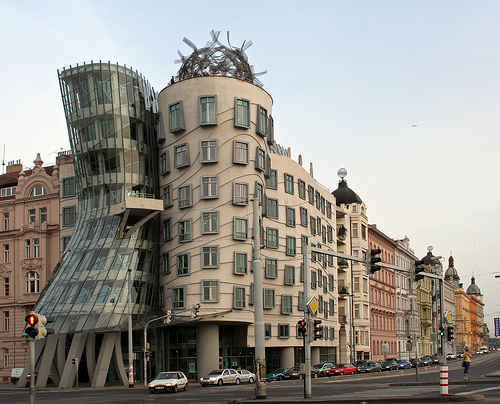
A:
[391,385]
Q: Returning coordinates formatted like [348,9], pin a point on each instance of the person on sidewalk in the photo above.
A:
[467,358]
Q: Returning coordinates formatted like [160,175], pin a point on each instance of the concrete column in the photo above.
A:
[207,345]
[287,357]
[75,351]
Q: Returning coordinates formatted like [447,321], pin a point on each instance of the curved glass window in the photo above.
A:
[38,190]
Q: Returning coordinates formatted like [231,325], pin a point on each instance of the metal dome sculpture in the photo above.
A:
[216,59]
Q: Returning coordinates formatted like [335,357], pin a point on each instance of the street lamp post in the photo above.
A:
[130,342]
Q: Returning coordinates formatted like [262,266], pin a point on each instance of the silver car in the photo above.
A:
[246,376]
[220,377]
[169,381]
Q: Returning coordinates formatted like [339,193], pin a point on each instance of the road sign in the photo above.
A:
[312,305]
[497,327]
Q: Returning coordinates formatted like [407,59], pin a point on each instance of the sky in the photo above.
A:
[403,94]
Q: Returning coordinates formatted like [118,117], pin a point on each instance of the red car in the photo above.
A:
[341,369]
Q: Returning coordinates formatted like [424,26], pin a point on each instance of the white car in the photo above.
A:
[220,377]
[172,381]
[451,355]
[246,376]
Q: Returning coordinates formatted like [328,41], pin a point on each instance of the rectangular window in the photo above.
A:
[9,191]
[271,268]
[323,204]
[269,299]
[240,193]
[272,208]
[6,286]
[6,321]
[363,232]
[164,163]
[302,189]
[259,192]
[27,248]
[291,245]
[289,275]
[43,215]
[272,181]
[240,263]
[185,231]
[210,291]
[354,231]
[331,283]
[210,222]
[325,284]
[260,159]
[240,228]
[288,183]
[185,196]
[208,151]
[286,304]
[357,313]
[107,128]
[313,225]
[6,253]
[210,187]
[6,358]
[290,217]
[68,186]
[240,152]
[181,155]
[314,279]
[208,110]
[238,297]
[267,330]
[179,297]
[5,221]
[318,200]
[165,263]
[272,238]
[261,128]
[310,190]
[31,215]
[329,230]
[329,210]
[332,307]
[183,264]
[167,196]
[176,117]
[68,216]
[167,229]
[356,284]
[301,304]
[303,217]
[36,248]
[161,295]
[210,256]
[283,331]
[241,113]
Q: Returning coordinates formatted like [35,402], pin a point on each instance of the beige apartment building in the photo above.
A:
[30,240]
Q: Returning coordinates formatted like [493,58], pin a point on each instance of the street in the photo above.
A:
[363,387]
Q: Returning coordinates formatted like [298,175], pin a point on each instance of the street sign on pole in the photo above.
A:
[497,327]
[312,304]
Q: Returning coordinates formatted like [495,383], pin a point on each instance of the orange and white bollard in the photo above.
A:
[443,380]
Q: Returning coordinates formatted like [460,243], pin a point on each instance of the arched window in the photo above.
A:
[38,190]
[32,282]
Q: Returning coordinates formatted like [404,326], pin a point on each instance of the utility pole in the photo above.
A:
[260,338]
[130,343]
[307,340]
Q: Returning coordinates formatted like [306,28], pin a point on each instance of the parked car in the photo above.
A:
[370,367]
[435,359]
[320,369]
[292,373]
[165,381]
[341,369]
[220,377]
[482,351]
[358,364]
[426,360]
[246,376]
[416,361]
[389,364]
[451,355]
[276,375]
[403,364]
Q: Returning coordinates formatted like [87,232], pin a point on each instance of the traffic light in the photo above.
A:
[409,339]
[441,331]
[451,334]
[74,361]
[32,328]
[302,328]
[42,322]
[318,330]
[373,260]
[418,269]
[195,309]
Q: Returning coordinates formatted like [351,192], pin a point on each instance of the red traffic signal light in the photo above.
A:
[32,328]
[302,327]
[32,319]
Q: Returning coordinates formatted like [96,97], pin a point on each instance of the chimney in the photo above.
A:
[14,167]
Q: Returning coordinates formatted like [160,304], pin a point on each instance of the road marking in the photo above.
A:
[478,391]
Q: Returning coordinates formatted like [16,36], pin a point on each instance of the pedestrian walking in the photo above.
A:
[466,363]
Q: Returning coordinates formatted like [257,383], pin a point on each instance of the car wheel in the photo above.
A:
[220,382]
[185,387]
[152,391]
[281,378]
[203,385]
[300,377]
[341,373]
[237,381]
[174,389]
[250,380]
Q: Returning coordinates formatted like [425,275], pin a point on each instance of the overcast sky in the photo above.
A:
[404,94]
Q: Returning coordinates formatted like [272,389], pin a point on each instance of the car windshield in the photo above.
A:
[280,370]
[215,372]
[170,375]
